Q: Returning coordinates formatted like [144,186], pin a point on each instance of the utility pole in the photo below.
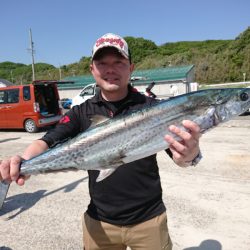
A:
[32,56]
[11,74]
[60,73]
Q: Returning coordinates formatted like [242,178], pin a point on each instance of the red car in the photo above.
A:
[30,106]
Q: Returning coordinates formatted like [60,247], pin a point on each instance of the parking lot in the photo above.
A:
[208,206]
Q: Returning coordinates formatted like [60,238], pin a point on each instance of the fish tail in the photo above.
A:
[4,187]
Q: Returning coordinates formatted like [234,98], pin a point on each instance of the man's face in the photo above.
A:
[111,70]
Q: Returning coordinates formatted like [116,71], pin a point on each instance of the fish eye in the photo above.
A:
[244,96]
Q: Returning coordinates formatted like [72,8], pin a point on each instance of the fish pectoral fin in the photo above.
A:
[105,173]
[97,119]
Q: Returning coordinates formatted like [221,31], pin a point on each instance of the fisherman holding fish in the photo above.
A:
[126,208]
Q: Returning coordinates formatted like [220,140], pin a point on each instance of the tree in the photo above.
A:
[140,48]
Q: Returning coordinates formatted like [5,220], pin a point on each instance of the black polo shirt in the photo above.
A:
[132,194]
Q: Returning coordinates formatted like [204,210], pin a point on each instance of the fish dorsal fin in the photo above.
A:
[98,119]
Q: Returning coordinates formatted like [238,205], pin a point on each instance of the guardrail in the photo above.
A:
[225,84]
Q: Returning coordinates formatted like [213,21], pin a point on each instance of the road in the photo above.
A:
[208,205]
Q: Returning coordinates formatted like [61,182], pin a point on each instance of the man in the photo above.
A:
[174,91]
[126,209]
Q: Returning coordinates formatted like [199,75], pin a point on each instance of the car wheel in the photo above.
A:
[30,126]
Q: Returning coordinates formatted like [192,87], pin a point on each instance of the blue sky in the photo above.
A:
[65,30]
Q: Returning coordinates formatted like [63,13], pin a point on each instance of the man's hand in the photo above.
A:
[9,170]
[188,148]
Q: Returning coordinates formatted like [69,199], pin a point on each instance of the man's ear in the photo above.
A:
[91,67]
[132,66]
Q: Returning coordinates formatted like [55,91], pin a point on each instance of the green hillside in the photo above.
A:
[215,60]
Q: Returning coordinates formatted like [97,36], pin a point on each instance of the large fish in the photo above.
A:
[110,143]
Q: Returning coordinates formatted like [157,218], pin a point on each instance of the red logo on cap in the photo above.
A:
[115,41]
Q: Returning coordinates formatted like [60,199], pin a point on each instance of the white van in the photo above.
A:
[85,94]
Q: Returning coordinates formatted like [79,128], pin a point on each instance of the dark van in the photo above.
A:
[30,106]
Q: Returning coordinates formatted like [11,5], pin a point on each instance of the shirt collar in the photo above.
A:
[133,95]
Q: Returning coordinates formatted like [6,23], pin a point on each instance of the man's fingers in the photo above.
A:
[21,180]
[15,167]
[185,135]
[193,128]
[4,171]
[176,145]
[189,137]
[9,169]
[176,154]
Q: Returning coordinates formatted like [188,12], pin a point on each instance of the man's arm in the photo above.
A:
[68,127]
[35,148]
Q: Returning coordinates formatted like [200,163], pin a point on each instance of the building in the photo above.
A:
[5,83]
[178,78]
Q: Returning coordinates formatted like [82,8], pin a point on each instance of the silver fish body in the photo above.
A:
[124,139]
[114,142]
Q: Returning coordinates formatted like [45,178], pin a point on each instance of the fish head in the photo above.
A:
[232,102]
[221,105]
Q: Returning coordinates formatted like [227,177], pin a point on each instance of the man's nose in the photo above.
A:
[110,68]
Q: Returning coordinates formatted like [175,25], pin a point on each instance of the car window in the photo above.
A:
[1,97]
[13,96]
[26,93]
[88,91]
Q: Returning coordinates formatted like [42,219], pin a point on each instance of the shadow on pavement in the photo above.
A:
[9,139]
[207,245]
[25,201]
[5,248]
